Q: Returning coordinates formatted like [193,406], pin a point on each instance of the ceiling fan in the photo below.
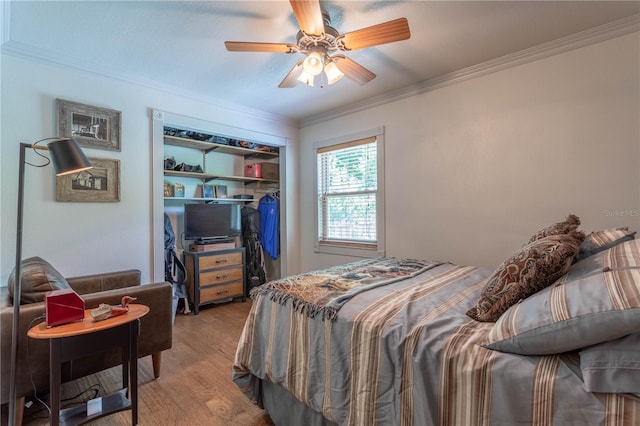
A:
[319,42]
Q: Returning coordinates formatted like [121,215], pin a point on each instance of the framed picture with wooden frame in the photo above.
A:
[99,184]
[92,127]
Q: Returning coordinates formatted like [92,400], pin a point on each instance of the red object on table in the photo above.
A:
[63,306]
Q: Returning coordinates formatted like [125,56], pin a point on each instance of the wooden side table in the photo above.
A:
[77,339]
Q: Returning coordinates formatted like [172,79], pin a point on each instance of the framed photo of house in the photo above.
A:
[99,184]
[93,127]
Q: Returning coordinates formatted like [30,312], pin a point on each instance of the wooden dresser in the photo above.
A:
[215,276]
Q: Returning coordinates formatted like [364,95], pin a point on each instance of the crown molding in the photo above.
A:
[584,38]
[23,50]
[565,44]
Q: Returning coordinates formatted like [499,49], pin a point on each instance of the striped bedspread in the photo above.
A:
[406,354]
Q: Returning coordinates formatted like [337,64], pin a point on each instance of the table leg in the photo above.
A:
[126,359]
[54,380]
[133,363]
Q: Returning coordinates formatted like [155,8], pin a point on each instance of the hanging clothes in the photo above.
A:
[254,263]
[269,208]
[174,270]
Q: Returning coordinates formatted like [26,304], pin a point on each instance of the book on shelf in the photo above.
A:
[178,190]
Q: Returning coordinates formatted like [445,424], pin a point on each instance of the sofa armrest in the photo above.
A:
[107,281]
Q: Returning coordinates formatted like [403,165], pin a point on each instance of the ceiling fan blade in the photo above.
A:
[387,32]
[309,16]
[290,79]
[246,46]
[353,70]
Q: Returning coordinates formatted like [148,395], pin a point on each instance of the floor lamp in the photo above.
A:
[67,157]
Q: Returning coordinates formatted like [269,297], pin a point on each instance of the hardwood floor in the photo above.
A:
[195,386]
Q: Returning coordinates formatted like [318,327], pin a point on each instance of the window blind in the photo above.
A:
[347,192]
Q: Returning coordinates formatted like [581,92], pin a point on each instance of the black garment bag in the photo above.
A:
[174,270]
[254,265]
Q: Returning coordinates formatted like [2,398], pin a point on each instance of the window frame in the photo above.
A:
[355,249]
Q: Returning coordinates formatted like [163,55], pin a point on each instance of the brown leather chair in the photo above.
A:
[33,355]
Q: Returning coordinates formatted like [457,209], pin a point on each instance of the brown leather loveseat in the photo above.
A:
[33,355]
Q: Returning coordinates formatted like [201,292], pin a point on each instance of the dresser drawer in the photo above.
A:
[219,260]
[223,291]
[216,276]
[220,276]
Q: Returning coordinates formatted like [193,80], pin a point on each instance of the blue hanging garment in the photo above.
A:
[269,225]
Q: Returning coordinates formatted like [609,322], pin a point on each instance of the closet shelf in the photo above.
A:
[206,177]
[225,200]
[217,147]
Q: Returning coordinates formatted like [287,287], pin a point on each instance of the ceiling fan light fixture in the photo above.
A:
[317,40]
[313,64]
[306,78]
[332,72]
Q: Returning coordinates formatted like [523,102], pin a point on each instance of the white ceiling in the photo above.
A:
[178,45]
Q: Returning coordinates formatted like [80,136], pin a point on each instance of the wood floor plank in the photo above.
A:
[195,386]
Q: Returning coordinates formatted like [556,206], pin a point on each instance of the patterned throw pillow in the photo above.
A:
[598,300]
[526,272]
[598,241]
[38,277]
[571,223]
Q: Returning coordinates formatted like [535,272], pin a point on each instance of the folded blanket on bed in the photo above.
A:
[325,291]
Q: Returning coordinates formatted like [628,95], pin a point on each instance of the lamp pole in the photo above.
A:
[67,157]
[17,290]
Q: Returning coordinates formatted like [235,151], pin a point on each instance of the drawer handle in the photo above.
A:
[226,290]
[223,260]
[222,276]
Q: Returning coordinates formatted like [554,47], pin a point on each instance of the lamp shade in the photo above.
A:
[313,64]
[306,78]
[67,157]
[332,72]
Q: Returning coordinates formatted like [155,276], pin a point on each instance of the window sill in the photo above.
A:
[348,251]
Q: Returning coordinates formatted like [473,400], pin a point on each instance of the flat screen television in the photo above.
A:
[211,222]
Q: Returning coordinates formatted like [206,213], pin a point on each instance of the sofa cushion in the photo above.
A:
[96,283]
[38,277]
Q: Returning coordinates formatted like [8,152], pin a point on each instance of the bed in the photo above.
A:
[398,341]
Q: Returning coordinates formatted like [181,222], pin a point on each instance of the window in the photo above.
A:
[350,198]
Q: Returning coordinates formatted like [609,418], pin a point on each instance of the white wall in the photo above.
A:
[84,238]
[473,169]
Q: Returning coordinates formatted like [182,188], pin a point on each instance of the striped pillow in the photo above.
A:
[612,367]
[596,301]
[601,240]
